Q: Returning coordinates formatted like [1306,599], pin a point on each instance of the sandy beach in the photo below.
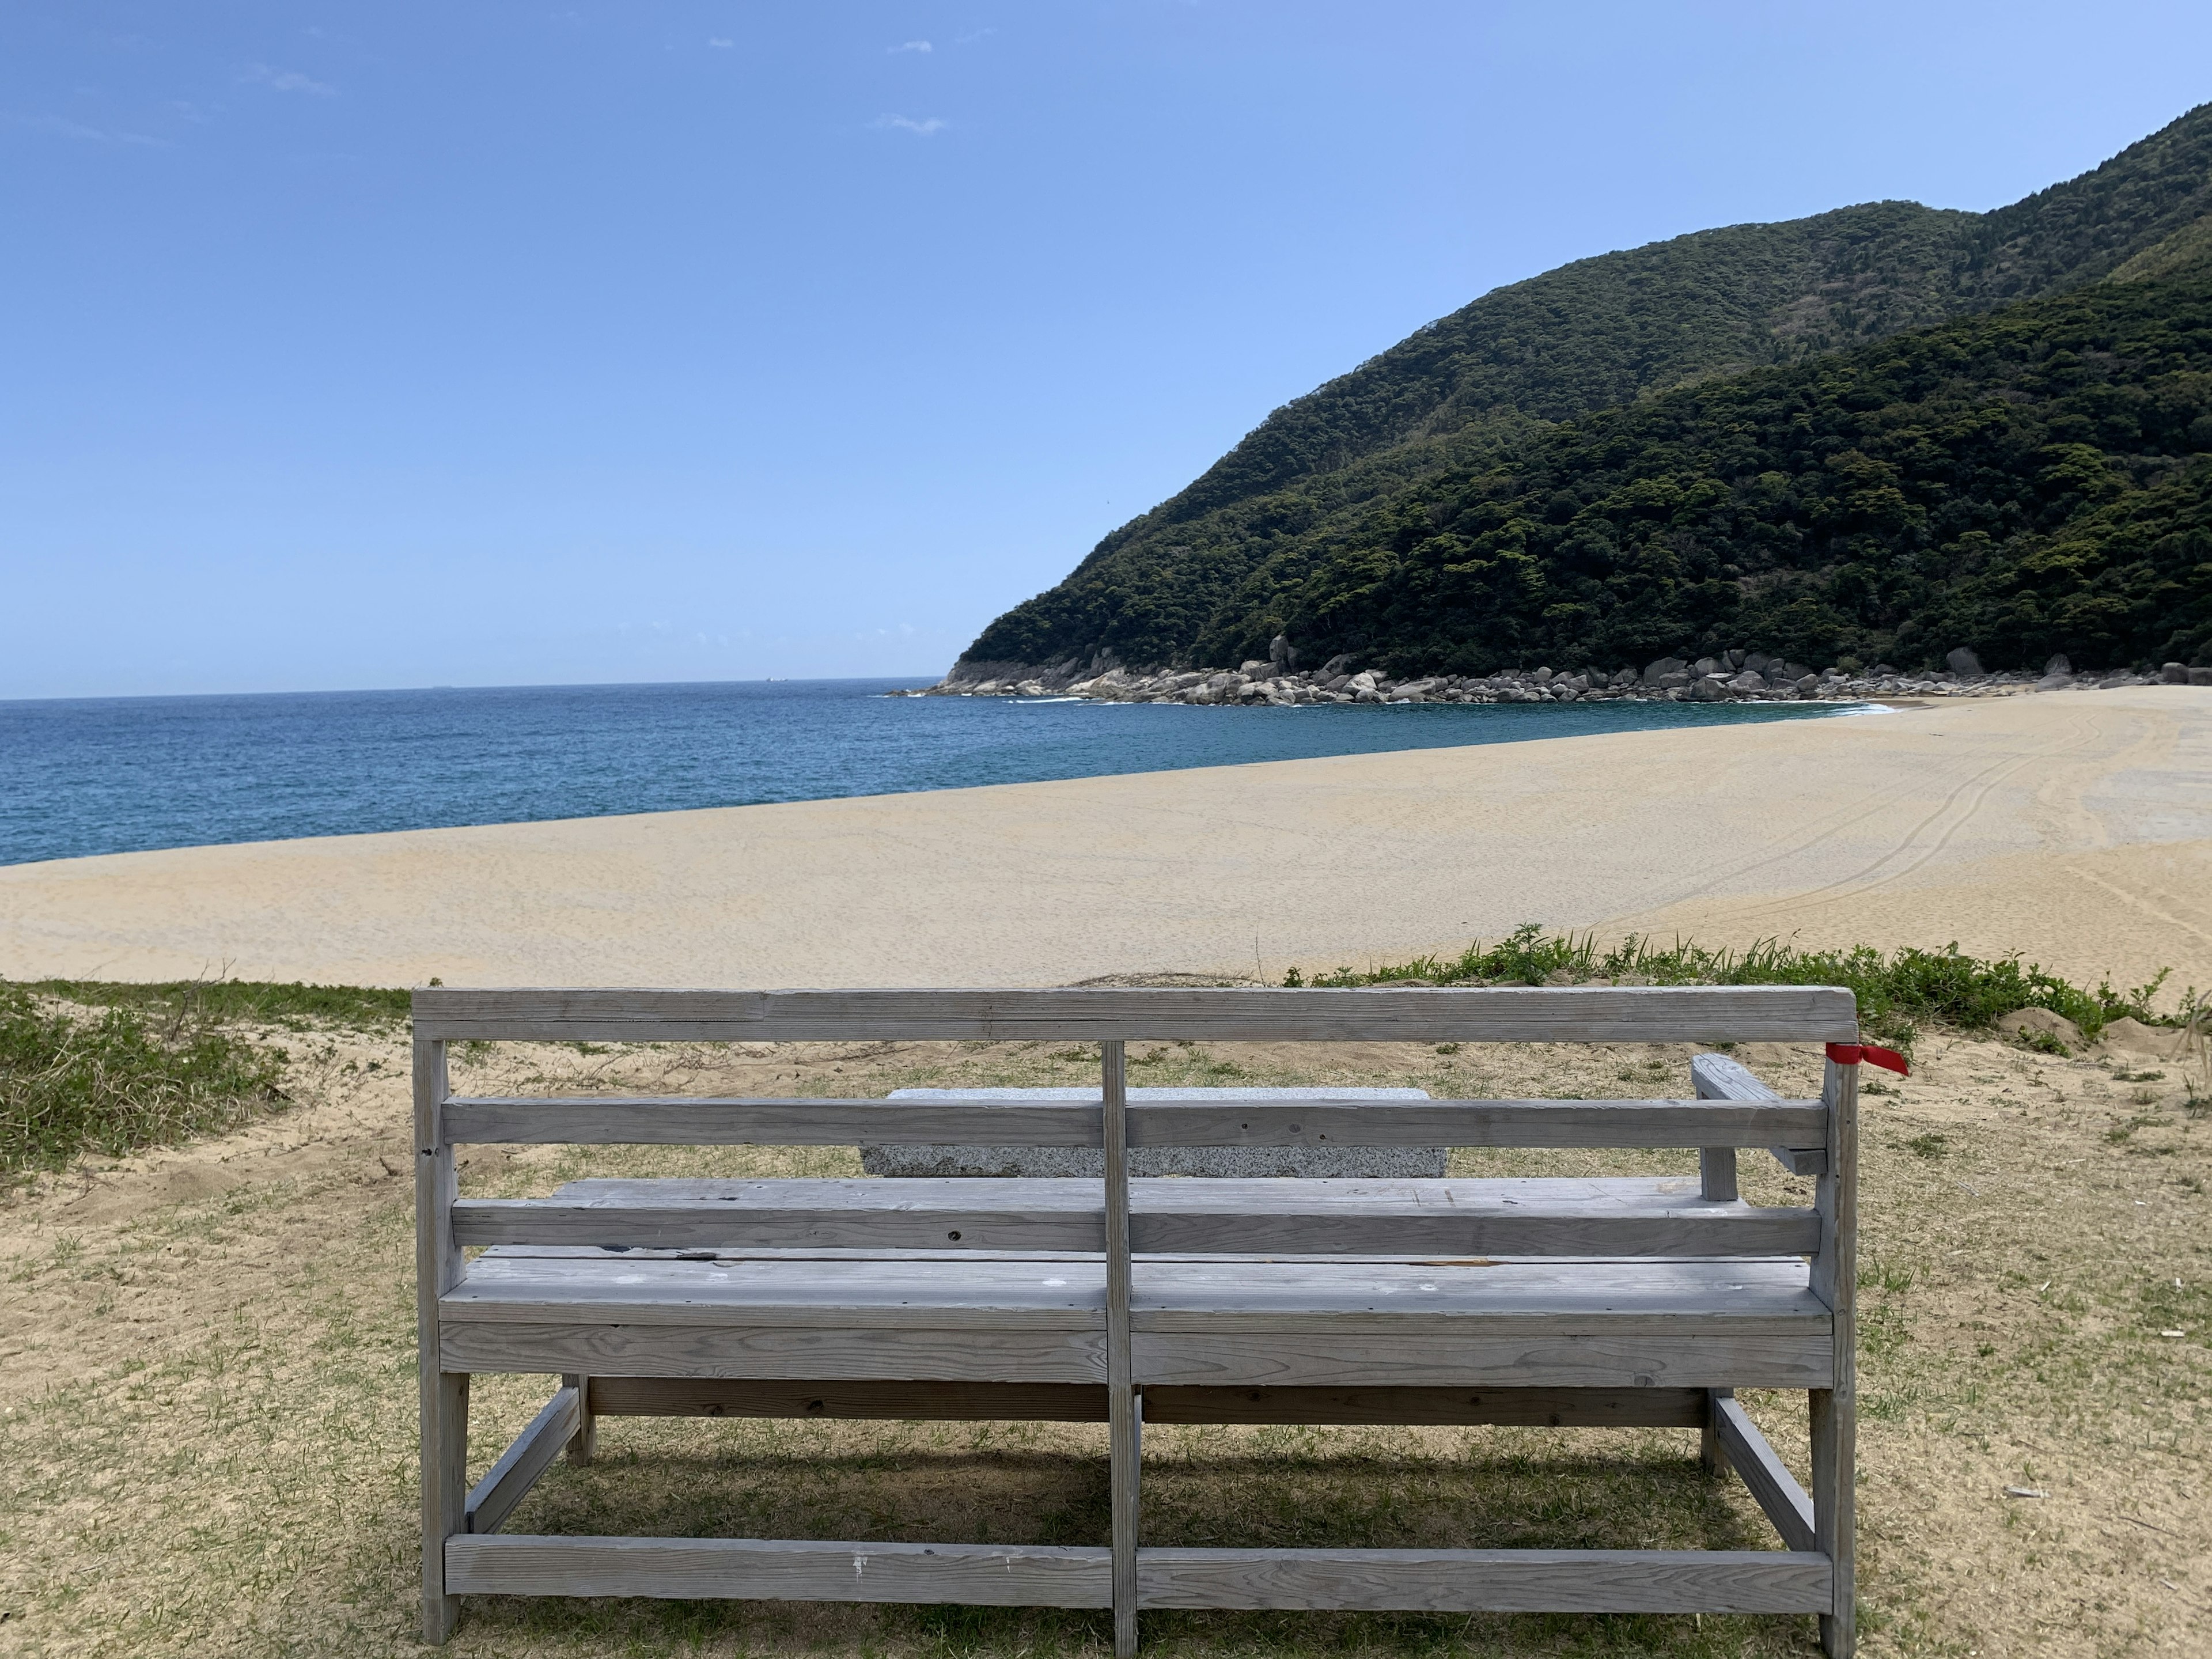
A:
[2073,827]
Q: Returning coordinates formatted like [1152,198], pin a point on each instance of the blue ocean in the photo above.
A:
[118,774]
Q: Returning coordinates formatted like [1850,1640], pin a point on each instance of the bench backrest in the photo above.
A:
[1734,1110]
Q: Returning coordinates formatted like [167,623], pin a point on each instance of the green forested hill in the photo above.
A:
[2033,480]
[1302,526]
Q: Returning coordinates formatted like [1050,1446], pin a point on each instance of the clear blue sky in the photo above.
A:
[405,344]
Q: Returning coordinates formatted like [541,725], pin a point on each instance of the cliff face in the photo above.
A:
[1321,503]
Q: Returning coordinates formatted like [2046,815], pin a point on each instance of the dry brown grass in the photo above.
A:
[207,1377]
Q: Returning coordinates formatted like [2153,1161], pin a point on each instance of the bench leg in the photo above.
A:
[1710,1454]
[1835,1433]
[586,1441]
[445,1492]
[1124,1434]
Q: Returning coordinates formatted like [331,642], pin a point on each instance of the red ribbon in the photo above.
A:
[1853,1054]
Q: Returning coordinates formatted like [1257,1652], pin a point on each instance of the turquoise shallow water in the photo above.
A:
[82,775]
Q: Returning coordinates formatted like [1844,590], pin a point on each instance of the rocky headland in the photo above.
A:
[1725,677]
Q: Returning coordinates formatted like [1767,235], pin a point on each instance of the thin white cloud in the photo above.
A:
[928,127]
[718,43]
[284,80]
[972,36]
[77,129]
[910,45]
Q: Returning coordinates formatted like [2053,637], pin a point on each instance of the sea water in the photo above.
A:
[115,774]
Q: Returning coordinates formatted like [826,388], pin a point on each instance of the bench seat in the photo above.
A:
[1604,1322]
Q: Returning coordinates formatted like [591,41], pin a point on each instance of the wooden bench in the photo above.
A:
[1623,1301]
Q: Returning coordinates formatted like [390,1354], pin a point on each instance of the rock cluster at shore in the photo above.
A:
[1726,677]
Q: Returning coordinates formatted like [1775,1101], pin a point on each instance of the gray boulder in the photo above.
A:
[1964,662]
[1336,665]
[1281,654]
[2058,664]
[1657,673]
[2200,676]
[2174,673]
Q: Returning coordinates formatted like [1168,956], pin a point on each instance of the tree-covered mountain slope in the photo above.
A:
[1323,487]
[2034,480]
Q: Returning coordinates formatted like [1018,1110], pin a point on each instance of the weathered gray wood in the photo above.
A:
[1197,1294]
[952,1354]
[1711,1458]
[940,1221]
[1571,1408]
[444,1398]
[678,1121]
[1442,1218]
[984,1575]
[1770,1482]
[1660,1296]
[1075,1402]
[1487,1581]
[1474,1359]
[1121,1430]
[683,1120]
[508,1480]
[1835,1411]
[1012,1402]
[1762,1013]
[1717,1077]
[1620,1123]
[584,1442]
[1717,1173]
[839,1294]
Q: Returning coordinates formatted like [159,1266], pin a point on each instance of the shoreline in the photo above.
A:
[2067,828]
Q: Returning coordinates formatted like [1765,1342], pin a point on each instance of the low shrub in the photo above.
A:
[125,1078]
[1897,992]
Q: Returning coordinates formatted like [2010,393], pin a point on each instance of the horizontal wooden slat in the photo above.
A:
[1489,1581]
[966,1403]
[1769,1479]
[1480,1355]
[984,1575]
[1075,1402]
[1272,1217]
[1717,1077]
[1531,1014]
[708,1225]
[679,1121]
[1598,1123]
[519,1467]
[1567,1408]
[675,1120]
[923,1354]
[1195,1296]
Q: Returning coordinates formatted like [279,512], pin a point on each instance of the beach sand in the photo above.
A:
[2073,827]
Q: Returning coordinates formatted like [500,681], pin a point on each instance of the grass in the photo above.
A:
[95,1067]
[292,1007]
[1898,993]
[125,1078]
[207,1406]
